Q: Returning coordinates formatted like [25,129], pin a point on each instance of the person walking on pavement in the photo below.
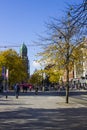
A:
[36,90]
[17,90]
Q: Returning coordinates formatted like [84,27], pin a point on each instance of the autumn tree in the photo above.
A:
[36,78]
[63,45]
[12,61]
[78,15]
[53,73]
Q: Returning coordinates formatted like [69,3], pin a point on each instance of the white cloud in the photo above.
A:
[36,64]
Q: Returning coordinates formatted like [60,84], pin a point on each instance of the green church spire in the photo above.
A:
[23,50]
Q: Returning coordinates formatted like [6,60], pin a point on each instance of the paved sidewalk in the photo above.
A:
[41,112]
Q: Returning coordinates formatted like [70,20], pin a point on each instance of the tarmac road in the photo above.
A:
[45,111]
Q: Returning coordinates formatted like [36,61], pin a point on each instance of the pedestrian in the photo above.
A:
[36,90]
[17,90]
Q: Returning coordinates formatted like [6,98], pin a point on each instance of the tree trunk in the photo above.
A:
[67,87]
[67,73]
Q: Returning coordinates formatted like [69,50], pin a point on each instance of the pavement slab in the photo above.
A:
[41,112]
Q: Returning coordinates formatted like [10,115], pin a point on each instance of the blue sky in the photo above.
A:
[22,20]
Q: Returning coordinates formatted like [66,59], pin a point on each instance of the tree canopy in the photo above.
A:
[63,46]
[13,62]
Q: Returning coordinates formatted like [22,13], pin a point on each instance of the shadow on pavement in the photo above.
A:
[47,93]
[32,93]
[44,119]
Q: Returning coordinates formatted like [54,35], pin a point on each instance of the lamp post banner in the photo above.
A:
[6,73]
[3,71]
